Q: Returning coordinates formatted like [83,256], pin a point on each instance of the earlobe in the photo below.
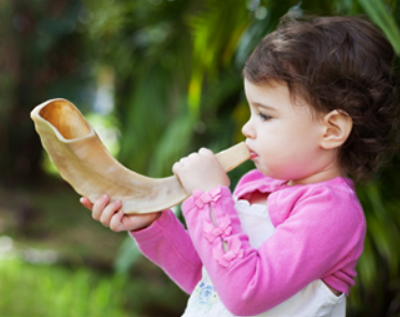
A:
[337,126]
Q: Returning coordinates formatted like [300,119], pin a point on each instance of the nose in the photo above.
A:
[248,130]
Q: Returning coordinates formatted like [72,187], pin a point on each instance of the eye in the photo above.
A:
[264,116]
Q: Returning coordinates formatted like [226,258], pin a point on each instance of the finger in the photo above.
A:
[109,211]
[86,203]
[183,161]
[116,224]
[176,167]
[206,152]
[179,166]
[99,206]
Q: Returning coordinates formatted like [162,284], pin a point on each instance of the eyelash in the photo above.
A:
[264,117]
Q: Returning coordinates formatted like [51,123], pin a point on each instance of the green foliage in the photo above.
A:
[39,291]
[43,56]
[378,267]
[378,11]
[128,255]
[49,290]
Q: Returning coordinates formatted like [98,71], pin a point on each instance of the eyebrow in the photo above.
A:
[260,105]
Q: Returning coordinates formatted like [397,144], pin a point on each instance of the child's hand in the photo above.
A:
[200,171]
[110,215]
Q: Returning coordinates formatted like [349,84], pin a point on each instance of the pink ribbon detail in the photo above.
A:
[225,225]
[201,198]
[211,231]
[223,228]
[235,251]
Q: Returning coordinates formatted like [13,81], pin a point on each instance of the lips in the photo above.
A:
[253,154]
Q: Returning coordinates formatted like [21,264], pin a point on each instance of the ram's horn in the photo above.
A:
[84,162]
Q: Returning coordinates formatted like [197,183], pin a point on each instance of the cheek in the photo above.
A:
[305,132]
[290,150]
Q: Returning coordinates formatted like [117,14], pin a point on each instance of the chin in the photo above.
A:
[278,175]
[269,173]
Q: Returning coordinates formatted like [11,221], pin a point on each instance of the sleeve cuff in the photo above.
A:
[155,228]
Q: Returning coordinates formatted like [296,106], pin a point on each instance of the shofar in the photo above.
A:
[84,162]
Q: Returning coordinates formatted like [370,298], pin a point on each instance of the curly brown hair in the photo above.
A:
[342,63]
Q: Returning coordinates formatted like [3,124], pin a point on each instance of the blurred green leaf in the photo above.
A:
[379,13]
[128,255]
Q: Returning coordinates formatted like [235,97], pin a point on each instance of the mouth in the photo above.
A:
[253,154]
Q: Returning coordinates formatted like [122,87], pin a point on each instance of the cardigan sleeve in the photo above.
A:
[322,230]
[168,245]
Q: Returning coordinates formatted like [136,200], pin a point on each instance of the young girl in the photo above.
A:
[323,106]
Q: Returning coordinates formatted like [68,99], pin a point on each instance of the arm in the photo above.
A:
[314,239]
[168,245]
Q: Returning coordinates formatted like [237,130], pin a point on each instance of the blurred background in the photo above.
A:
[157,79]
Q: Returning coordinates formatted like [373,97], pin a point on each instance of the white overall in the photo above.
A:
[315,300]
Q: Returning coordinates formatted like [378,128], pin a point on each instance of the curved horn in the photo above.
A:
[84,162]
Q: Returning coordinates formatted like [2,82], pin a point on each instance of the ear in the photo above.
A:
[336,126]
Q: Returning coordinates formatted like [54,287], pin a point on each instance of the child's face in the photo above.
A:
[282,137]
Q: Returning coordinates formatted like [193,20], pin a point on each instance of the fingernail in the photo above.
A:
[104,197]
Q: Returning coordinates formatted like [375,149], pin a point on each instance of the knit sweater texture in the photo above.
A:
[320,230]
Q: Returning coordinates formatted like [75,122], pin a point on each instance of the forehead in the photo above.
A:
[278,95]
[273,94]
[259,93]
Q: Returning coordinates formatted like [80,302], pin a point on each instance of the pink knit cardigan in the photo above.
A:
[320,229]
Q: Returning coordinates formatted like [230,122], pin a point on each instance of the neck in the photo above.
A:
[332,170]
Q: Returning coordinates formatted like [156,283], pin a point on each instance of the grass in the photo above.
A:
[29,290]
[43,290]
